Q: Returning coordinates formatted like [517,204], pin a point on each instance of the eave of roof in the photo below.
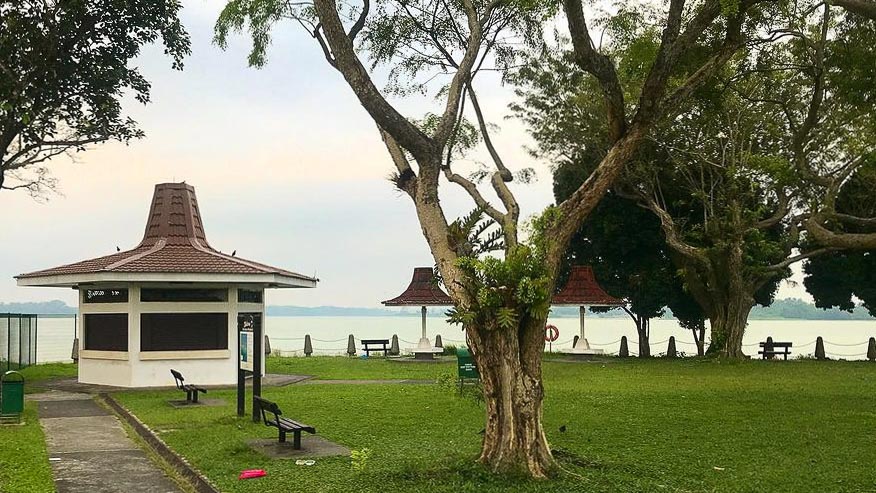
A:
[423,291]
[582,290]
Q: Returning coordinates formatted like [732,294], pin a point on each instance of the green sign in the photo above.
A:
[466,365]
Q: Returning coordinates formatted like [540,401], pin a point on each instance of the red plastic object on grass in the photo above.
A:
[251,473]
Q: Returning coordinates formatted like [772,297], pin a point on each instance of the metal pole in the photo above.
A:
[241,390]
[581,312]
[36,319]
[258,333]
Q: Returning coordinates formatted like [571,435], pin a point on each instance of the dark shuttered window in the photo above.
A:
[249,296]
[105,331]
[183,295]
[183,331]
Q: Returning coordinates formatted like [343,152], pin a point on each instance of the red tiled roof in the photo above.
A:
[422,291]
[582,289]
[174,242]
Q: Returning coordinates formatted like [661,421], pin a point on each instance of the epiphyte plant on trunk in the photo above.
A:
[445,45]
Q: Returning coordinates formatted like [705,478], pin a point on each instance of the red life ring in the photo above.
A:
[551,333]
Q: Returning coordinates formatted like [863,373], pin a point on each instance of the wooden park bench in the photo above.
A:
[190,390]
[772,349]
[283,425]
[383,343]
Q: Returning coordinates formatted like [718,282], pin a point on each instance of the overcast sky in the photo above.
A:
[288,168]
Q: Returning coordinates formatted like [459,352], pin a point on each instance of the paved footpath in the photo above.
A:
[89,451]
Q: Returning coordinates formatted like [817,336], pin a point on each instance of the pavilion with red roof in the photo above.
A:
[423,291]
[173,301]
[582,290]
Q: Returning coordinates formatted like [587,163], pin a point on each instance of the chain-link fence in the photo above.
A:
[18,340]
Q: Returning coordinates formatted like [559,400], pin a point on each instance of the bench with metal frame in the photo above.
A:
[283,425]
[772,349]
[384,343]
[190,390]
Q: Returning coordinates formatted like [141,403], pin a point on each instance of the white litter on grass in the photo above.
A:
[54,458]
[717,468]
[303,462]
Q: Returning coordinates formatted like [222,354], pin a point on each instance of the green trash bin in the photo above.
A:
[467,369]
[11,395]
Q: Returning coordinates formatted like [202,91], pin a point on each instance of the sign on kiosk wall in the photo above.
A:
[248,324]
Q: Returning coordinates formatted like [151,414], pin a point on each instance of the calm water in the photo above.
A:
[843,339]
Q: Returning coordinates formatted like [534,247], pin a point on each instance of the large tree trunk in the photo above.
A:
[699,334]
[509,362]
[643,327]
[728,322]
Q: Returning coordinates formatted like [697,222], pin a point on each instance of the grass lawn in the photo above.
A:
[343,368]
[631,426]
[35,375]
[24,465]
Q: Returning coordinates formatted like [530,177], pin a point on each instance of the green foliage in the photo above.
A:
[359,459]
[259,18]
[836,279]
[64,67]
[473,236]
[506,293]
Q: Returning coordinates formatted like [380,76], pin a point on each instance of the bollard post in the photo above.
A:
[819,349]
[871,349]
[624,351]
[351,345]
[393,347]
[308,347]
[671,352]
[75,354]
[575,340]
[438,342]
[267,346]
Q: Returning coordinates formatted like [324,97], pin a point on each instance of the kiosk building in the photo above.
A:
[171,302]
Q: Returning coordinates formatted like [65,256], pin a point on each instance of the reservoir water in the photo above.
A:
[843,339]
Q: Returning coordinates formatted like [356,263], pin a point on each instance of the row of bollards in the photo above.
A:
[623,351]
[672,352]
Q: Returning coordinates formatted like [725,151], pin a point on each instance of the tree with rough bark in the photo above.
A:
[748,165]
[502,302]
[64,67]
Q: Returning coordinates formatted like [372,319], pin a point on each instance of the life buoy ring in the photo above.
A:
[551,333]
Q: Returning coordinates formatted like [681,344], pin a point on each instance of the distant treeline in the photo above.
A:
[780,309]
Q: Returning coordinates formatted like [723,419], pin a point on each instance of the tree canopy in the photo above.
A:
[748,165]
[836,280]
[65,67]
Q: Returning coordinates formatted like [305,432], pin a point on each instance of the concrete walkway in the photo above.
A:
[89,451]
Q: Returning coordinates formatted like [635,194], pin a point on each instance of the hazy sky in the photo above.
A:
[288,168]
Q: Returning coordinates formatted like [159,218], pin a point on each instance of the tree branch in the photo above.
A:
[866,8]
[792,260]
[827,238]
[360,22]
[384,114]
[598,65]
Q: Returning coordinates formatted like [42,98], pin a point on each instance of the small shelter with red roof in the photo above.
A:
[173,301]
[582,290]
[423,291]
